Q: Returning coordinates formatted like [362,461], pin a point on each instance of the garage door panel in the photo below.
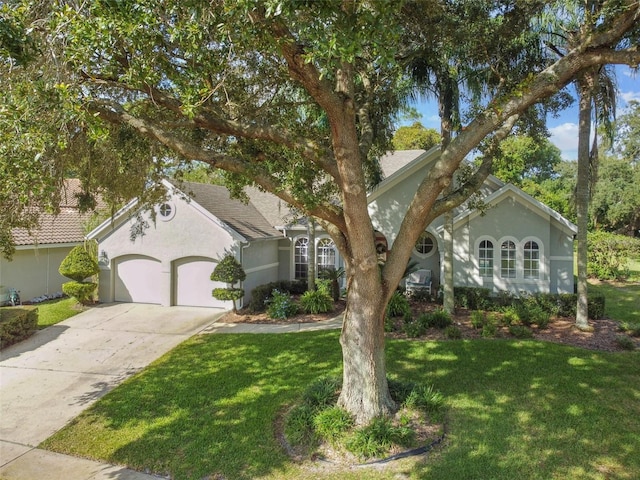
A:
[138,279]
[193,284]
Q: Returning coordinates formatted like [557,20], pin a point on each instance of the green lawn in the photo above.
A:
[622,299]
[55,311]
[516,409]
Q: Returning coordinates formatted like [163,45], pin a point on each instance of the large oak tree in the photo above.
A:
[297,98]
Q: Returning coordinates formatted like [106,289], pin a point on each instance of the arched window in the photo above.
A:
[301,258]
[326,253]
[508,259]
[425,245]
[485,258]
[531,260]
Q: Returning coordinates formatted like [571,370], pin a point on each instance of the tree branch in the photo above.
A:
[114,113]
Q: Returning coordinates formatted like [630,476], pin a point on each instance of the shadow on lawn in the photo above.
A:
[530,409]
[212,411]
[518,409]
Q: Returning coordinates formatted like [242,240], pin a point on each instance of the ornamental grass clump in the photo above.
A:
[319,300]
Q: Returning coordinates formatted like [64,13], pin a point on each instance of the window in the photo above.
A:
[531,260]
[425,244]
[301,258]
[166,211]
[508,259]
[485,258]
[326,254]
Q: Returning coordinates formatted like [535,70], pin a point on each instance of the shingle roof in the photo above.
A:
[65,227]
[393,161]
[244,218]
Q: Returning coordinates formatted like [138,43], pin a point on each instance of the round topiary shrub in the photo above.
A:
[78,264]
[230,271]
[81,291]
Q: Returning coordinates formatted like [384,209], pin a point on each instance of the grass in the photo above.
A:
[516,409]
[55,311]
[622,299]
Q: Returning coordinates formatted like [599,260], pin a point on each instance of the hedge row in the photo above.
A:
[561,304]
[16,324]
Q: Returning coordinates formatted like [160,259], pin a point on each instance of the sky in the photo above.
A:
[564,128]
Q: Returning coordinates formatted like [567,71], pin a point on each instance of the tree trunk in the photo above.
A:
[582,198]
[365,392]
[448,302]
[311,254]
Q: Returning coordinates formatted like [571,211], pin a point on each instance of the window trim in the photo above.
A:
[295,257]
[515,250]
[478,248]
[541,266]
[172,212]
[431,252]
[330,245]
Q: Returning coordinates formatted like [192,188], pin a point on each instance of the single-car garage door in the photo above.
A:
[193,284]
[138,279]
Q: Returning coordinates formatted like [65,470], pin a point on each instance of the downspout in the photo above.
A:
[243,245]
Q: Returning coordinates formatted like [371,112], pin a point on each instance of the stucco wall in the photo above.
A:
[34,272]
[261,264]
[510,219]
[187,233]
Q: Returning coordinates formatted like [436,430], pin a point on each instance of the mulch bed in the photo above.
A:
[560,330]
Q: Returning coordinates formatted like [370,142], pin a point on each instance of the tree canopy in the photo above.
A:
[297,98]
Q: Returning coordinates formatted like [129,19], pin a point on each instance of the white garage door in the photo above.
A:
[193,285]
[138,279]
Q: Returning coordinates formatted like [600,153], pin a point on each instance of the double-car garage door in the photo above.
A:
[141,279]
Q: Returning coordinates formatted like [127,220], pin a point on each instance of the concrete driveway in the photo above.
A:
[50,378]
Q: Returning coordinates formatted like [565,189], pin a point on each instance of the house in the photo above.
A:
[516,243]
[170,261]
[33,269]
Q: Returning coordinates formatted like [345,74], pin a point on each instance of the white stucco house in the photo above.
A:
[518,244]
[33,270]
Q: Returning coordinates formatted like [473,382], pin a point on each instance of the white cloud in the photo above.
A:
[565,137]
[628,96]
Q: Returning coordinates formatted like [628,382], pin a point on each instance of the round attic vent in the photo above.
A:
[166,211]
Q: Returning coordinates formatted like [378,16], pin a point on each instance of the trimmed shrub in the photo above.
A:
[281,305]
[229,271]
[414,329]
[472,298]
[520,331]
[78,264]
[81,291]
[17,324]
[261,295]
[477,319]
[439,318]
[452,332]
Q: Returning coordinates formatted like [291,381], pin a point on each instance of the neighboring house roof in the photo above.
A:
[243,218]
[394,161]
[66,227]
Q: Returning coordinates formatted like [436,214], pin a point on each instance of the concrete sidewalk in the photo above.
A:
[47,380]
